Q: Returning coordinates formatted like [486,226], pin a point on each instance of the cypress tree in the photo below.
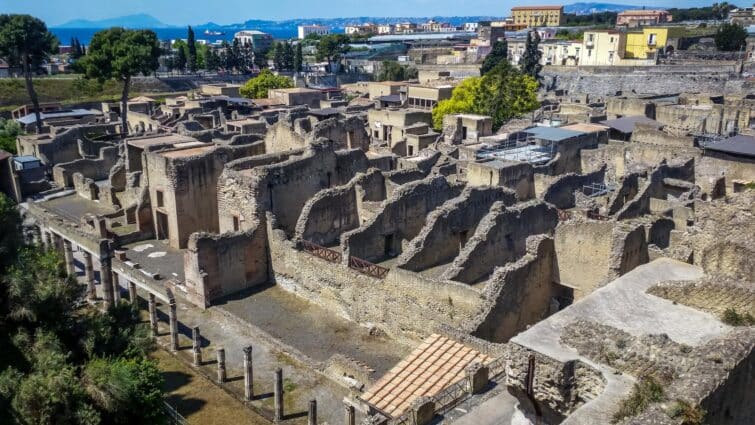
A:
[298,58]
[498,53]
[191,56]
[531,60]
[288,56]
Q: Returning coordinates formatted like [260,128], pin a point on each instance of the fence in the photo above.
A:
[174,418]
[321,252]
[365,267]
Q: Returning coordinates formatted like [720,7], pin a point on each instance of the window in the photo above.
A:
[236,223]
[591,37]
[160,198]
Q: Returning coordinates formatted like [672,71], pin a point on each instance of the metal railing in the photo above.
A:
[321,252]
[174,418]
[365,267]
[451,396]
[596,189]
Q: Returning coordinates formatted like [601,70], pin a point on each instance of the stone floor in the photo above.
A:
[156,256]
[312,330]
[73,207]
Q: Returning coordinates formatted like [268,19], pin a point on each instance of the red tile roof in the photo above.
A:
[436,364]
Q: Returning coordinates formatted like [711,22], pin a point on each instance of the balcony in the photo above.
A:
[589,44]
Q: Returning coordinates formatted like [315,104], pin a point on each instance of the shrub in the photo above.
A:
[733,318]
[645,392]
[688,414]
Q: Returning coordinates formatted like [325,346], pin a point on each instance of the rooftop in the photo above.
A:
[437,363]
[62,113]
[537,7]
[737,145]
[627,124]
[295,90]
[552,134]
[170,139]
[585,128]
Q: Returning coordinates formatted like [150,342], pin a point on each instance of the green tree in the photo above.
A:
[288,56]
[277,56]
[331,47]
[257,87]
[531,59]
[721,10]
[25,42]
[9,131]
[498,53]
[299,58]
[212,61]
[393,71]
[503,93]
[180,60]
[121,54]
[191,53]
[10,233]
[731,37]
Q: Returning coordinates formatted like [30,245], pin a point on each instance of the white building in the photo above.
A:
[471,26]
[305,30]
[386,29]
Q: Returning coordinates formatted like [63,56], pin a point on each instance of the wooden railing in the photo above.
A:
[365,267]
[321,252]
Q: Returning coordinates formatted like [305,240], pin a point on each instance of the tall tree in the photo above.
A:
[179,62]
[331,47]
[731,37]
[191,53]
[121,54]
[299,58]
[25,42]
[498,53]
[277,54]
[531,59]
[288,56]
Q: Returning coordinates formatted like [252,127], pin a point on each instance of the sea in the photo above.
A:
[85,34]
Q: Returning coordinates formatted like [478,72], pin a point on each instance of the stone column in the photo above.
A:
[48,240]
[312,415]
[153,314]
[68,254]
[173,326]
[221,364]
[116,288]
[278,394]
[106,281]
[248,374]
[196,345]
[477,375]
[132,295]
[351,417]
[89,274]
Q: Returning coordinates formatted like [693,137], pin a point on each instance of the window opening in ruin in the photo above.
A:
[160,198]
[163,231]
[236,223]
[464,131]
[411,150]
[463,237]
[388,249]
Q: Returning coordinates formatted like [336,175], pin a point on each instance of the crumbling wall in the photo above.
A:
[219,265]
[281,137]
[334,211]
[501,237]
[568,158]
[95,169]
[627,107]
[401,219]
[713,166]
[561,192]
[449,227]
[345,133]
[519,294]
[656,188]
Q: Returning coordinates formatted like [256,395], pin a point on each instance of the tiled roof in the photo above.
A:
[436,364]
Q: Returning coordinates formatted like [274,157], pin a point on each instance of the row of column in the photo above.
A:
[110,282]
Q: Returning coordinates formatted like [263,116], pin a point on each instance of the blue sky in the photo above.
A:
[182,12]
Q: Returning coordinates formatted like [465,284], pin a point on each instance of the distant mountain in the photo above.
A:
[590,8]
[130,21]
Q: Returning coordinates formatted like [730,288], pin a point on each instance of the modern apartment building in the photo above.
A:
[538,16]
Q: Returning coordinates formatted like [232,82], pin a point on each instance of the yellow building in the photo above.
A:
[601,48]
[538,16]
[646,44]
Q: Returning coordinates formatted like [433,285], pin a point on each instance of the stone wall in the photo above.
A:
[95,169]
[334,211]
[501,237]
[220,265]
[515,175]
[519,294]
[591,254]
[447,228]
[560,193]
[401,219]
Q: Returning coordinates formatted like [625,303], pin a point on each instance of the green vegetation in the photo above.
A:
[645,392]
[257,87]
[531,59]
[594,19]
[331,47]
[121,54]
[686,413]
[63,365]
[503,93]
[733,318]
[26,43]
[716,11]
[498,54]
[393,71]
[9,130]
[283,56]
[731,37]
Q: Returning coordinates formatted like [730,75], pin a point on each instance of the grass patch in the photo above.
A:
[686,413]
[645,392]
[733,318]
[66,90]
